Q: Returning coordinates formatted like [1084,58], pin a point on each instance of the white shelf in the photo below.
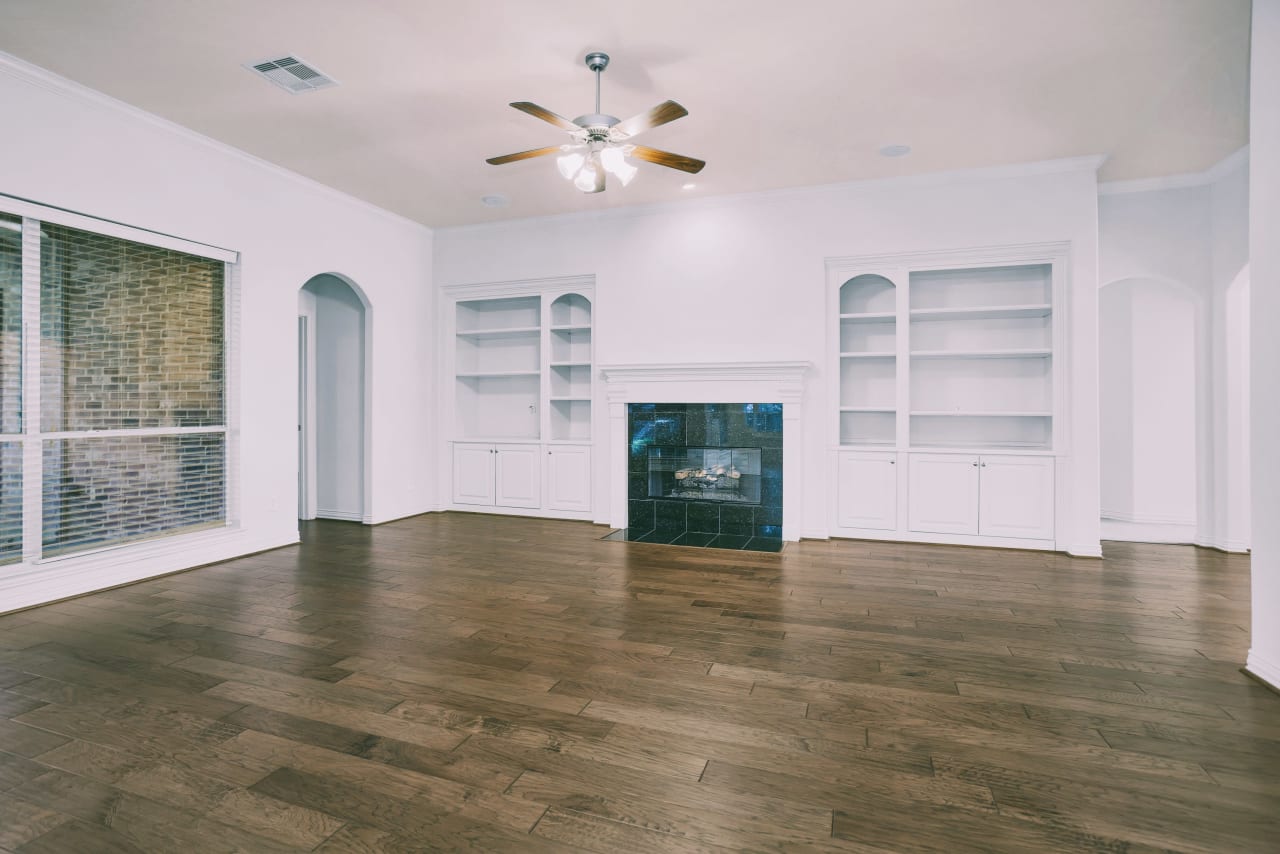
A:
[570,398]
[868,409]
[1036,353]
[879,354]
[509,332]
[570,364]
[982,312]
[484,375]
[877,316]
[988,414]
[1038,448]
[571,328]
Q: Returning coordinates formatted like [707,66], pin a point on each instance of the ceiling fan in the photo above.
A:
[601,142]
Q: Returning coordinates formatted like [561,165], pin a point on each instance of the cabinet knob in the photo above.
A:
[975,465]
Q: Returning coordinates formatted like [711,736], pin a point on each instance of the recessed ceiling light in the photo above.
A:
[688,186]
[895,150]
[497,200]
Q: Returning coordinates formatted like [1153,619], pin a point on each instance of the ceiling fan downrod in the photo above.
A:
[597,62]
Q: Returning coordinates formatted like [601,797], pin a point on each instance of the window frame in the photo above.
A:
[31,438]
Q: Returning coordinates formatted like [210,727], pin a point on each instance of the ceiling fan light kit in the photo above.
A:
[600,142]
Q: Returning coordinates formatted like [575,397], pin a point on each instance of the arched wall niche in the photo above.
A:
[335,437]
[1153,389]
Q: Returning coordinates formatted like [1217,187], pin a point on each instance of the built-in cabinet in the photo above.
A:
[947,372]
[519,358]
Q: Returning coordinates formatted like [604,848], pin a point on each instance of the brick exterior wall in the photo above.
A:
[131,336]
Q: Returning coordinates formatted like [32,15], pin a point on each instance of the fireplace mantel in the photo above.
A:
[707,382]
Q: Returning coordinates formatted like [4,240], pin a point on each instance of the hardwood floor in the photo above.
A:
[475,683]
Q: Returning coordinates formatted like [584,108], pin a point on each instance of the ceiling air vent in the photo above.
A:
[291,73]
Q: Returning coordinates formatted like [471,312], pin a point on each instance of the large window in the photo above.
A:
[113,427]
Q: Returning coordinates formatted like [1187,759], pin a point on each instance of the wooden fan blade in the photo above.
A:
[667,111]
[546,115]
[522,155]
[691,165]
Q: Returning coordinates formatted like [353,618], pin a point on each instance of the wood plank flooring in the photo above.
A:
[474,683]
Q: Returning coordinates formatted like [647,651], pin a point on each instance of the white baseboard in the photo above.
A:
[815,534]
[1232,546]
[340,515]
[1260,668]
[51,581]
[1177,533]
[1089,549]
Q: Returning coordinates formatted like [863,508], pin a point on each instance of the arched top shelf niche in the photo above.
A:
[868,294]
[570,310]
[571,360]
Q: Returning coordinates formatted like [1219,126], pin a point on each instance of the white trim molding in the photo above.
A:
[1088,164]
[342,516]
[708,382]
[1263,670]
[76,575]
[1183,181]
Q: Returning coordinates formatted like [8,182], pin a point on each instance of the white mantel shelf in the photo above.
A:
[707,382]
[777,371]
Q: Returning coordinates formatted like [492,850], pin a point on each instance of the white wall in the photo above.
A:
[1229,206]
[755,264]
[338,349]
[82,151]
[1264,266]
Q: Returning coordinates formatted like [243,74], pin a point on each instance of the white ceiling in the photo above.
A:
[780,94]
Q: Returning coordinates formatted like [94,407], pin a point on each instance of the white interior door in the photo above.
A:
[302,417]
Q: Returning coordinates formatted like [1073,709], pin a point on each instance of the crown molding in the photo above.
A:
[1090,164]
[1185,181]
[584,284]
[41,78]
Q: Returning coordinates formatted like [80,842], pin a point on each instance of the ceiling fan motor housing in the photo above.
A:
[596,125]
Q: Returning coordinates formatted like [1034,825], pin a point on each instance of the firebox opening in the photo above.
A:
[729,475]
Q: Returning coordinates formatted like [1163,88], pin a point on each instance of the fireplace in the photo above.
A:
[683,405]
[705,474]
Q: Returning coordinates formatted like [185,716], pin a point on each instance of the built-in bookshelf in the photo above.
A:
[868,356]
[940,358]
[522,368]
[569,391]
[981,365]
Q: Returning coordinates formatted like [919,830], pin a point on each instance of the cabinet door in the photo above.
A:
[569,477]
[867,491]
[1016,497]
[472,474]
[943,493]
[519,480]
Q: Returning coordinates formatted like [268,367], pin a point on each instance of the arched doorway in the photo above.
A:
[1150,350]
[334,446]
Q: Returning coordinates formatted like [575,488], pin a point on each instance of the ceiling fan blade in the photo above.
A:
[691,165]
[667,111]
[546,115]
[522,155]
